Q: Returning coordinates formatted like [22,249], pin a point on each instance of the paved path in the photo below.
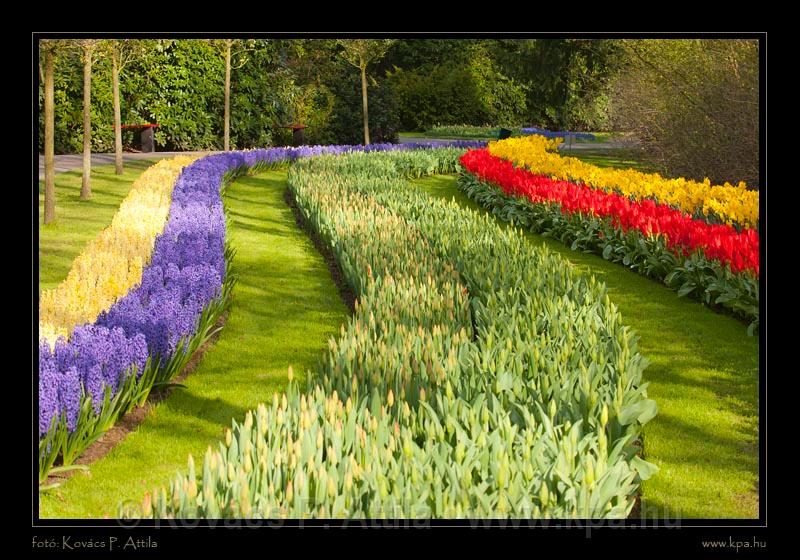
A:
[68,162]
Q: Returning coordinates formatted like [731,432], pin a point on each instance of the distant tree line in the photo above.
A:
[693,103]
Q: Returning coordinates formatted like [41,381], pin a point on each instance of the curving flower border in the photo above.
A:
[684,235]
[112,263]
[732,205]
[713,263]
[145,337]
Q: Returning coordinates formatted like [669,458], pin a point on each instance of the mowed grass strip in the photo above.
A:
[285,308]
[621,158]
[703,375]
[79,221]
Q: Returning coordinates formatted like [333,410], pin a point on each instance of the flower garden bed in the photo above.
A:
[644,225]
[109,353]
[440,398]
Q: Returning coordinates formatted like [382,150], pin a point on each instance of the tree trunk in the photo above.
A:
[227,134]
[117,114]
[86,189]
[49,158]
[364,101]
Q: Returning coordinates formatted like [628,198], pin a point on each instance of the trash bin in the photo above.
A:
[503,134]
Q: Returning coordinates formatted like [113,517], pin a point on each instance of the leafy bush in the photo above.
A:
[347,120]
[694,104]
[472,94]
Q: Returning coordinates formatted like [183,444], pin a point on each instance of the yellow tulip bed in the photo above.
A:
[728,203]
[112,263]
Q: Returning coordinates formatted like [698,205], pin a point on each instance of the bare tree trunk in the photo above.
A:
[117,114]
[86,189]
[49,158]
[364,101]
[227,133]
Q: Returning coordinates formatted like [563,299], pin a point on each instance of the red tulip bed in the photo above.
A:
[715,263]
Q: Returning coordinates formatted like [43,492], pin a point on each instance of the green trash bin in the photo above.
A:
[503,133]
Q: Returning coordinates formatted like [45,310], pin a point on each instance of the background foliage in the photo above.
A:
[693,103]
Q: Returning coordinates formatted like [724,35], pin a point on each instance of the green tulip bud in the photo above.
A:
[544,495]
[460,452]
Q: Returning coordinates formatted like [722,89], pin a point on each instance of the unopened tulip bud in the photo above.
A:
[544,495]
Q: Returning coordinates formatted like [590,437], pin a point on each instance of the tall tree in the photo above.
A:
[360,53]
[231,48]
[88,49]
[227,133]
[49,48]
[121,52]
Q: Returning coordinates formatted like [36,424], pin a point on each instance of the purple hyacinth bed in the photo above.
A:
[186,273]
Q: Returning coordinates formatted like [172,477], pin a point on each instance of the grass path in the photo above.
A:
[79,221]
[285,308]
[704,377]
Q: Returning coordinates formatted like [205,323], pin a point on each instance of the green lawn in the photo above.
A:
[623,158]
[79,221]
[600,137]
[285,308]
[704,377]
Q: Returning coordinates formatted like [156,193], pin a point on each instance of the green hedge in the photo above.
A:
[479,376]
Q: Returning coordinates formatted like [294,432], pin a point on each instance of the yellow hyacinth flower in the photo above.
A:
[539,155]
[112,264]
